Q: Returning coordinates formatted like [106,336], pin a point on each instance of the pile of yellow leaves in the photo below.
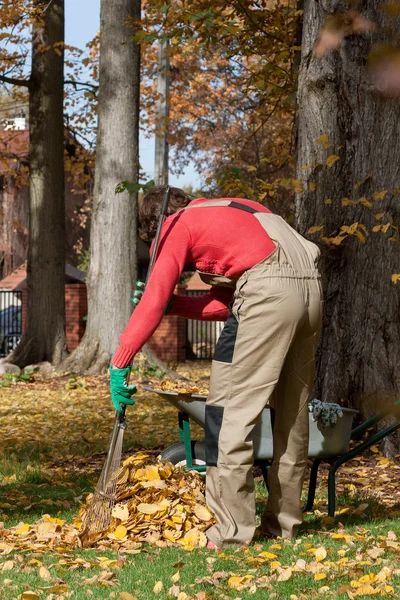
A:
[183,387]
[156,503]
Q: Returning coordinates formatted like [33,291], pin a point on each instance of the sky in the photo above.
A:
[82,21]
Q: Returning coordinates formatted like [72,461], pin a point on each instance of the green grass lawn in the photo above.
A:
[50,434]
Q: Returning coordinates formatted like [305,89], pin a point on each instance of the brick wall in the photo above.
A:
[75,310]
[169,341]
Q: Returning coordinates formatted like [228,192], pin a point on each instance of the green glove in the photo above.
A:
[121,391]
[138,293]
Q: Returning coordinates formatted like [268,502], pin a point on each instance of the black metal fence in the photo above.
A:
[201,336]
[10,320]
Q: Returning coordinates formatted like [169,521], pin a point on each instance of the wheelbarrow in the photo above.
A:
[326,444]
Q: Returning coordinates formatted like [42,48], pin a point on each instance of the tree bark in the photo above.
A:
[44,338]
[113,245]
[359,351]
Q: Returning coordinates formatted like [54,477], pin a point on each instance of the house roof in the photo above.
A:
[17,278]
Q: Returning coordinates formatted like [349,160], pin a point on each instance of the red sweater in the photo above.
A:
[219,240]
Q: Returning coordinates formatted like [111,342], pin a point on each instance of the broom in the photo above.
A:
[98,515]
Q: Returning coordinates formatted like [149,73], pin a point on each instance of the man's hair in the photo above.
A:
[150,207]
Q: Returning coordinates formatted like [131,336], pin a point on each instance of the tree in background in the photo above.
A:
[349,166]
[113,245]
[233,72]
[44,337]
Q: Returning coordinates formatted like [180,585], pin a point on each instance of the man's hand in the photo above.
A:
[121,391]
[326,413]
[138,293]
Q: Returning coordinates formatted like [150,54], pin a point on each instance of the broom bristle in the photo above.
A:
[97,517]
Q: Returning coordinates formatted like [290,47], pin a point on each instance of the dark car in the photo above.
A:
[10,329]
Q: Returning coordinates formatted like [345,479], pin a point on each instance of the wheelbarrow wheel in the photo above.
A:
[177,456]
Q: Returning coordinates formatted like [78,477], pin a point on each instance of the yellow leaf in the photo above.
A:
[120,532]
[305,167]
[395,277]
[347,202]
[275,547]
[29,596]
[150,473]
[268,555]
[376,228]
[175,578]
[328,201]
[319,576]
[297,186]
[148,509]
[158,586]
[44,573]
[127,596]
[361,237]
[275,564]
[234,581]
[24,528]
[330,161]
[365,202]
[202,513]
[320,554]
[379,216]
[324,589]
[365,590]
[315,228]
[380,195]
[312,186]
[323,140]
[120,511]
[285,575]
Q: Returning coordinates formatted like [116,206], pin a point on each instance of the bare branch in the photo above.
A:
[75,83]
[13,81]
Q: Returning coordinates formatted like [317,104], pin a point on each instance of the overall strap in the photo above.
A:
[230,203]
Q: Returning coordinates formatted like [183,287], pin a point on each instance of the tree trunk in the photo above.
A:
[113,245]
[44,338]
[359,351]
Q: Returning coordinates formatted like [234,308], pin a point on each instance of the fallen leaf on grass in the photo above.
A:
[44,573]
[127,596]
[285,575]
[158,586]
[8,565]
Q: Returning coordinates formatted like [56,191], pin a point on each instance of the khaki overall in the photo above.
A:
[264,357]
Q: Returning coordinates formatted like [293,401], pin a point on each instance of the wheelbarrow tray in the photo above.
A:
[324,442]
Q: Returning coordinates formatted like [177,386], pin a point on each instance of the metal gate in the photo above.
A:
[201,336]
[10,320]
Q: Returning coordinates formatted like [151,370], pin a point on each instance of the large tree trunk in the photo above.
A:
[113,245]
[359,351]
[44,338]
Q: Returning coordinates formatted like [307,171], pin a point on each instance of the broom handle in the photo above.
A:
[119,420]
